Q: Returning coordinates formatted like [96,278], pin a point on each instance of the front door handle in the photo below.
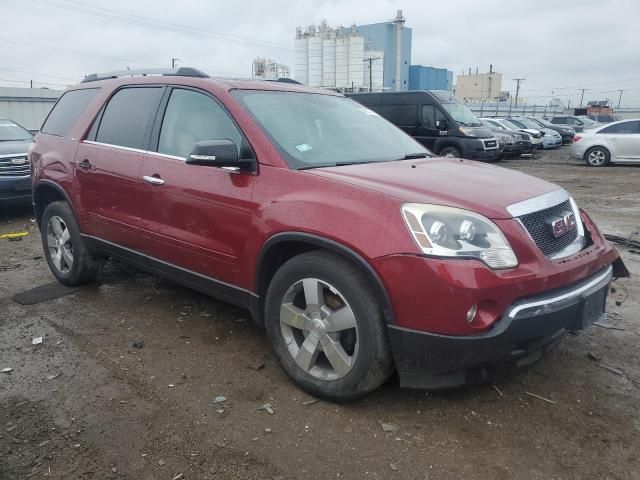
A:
[153,180]
[84,164]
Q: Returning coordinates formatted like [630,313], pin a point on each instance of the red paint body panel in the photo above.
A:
[215,222]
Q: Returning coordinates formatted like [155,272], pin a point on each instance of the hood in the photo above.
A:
[475,186]
[8,148]
[532,131]
[479,132]
[549,131]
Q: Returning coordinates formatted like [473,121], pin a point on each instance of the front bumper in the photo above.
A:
[527,329]
[15,190]
[549,141]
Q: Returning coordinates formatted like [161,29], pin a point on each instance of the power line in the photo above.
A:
[66,50]
[155,24]
[31,82]
[38,73]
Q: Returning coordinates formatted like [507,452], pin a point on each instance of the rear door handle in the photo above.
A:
[153,180]
[84,164]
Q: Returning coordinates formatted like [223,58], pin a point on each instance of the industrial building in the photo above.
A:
[372,57]
[430,78]
[479,87]
[27,106]
[267,69]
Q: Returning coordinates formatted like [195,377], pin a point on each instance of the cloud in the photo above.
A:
[554,45]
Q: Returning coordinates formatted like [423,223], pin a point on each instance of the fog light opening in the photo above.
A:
[471,314]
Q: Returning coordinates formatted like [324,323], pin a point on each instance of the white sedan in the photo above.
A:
[617,142]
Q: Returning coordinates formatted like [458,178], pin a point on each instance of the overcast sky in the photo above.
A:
[558,46]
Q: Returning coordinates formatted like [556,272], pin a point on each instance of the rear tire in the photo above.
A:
[597,157]
[65,250]
[450,152]
[326,327]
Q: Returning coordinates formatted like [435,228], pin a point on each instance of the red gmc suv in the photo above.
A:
[358,251]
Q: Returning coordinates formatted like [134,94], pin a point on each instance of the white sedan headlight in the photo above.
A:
[453,232]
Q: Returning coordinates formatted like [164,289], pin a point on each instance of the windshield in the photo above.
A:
[9,131]
[545,123]
[313,130]
[462,114]
[510,124]
[587,121]
[528,123]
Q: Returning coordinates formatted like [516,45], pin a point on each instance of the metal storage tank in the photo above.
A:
[329,62]
[356,64]
[342,62]
[301,63]
[315,61]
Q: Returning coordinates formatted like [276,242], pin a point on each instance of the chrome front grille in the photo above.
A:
[537,224]
[15,165]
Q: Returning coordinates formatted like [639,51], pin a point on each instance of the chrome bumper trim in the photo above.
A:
[556,301]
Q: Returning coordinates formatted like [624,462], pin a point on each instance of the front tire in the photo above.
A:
[450,152]
[597,157]
[326,327]
[66,253]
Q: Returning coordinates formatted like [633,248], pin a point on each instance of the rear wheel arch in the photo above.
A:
[46,192]
[283,246]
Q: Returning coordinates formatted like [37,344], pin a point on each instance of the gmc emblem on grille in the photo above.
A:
[558,226]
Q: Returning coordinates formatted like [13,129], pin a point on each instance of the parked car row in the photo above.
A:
[616,142]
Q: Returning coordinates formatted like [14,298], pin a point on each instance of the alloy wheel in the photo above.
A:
[59,243]
[319,329]
[597,158]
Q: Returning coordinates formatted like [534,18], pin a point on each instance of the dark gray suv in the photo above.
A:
[15,170]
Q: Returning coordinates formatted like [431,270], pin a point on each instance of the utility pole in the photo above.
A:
[31,86]
[518,80]
[620,97]
[370,60]
[582,97]
[174,62]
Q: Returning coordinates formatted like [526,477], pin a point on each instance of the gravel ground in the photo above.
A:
[87,404]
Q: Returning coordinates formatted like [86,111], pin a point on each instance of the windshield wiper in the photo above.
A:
[344,164]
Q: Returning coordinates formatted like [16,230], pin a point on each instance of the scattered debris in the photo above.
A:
[629,241]
[14,235]
[240,320]
[389,427]
[267,430]
[171,385]
[495,387]
[178,476]
[607,326]
[6,268]
[138,344]
[267,407]
[53,377]
[540,398]
[220,399]
[36,341]
[257,365]
[593,356]
[6,370]
[394,467]
[311,402]
[612,369]
[161,462]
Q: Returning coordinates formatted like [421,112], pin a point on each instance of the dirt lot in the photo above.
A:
[87,404]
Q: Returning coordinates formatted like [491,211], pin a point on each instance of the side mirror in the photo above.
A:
[442,124]
[218,153]
[541,133]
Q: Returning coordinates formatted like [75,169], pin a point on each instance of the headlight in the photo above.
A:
[469,132]
[453,232]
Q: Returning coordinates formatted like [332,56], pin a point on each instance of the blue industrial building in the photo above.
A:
[430,78]
[382,36]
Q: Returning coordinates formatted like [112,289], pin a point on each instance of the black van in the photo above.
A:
[436,119]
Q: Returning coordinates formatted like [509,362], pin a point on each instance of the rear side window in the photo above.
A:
[625,127]
[401,115]
[558,120]
[65,113]
[127,118]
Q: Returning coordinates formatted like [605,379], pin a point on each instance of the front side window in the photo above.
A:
[127,118]
[316,130]
[192,117]
[67,110]
[10,132]
[431,115]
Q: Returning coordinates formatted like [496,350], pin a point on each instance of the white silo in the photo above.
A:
[329,61]
[315,61]
[301,63]
[342,62]
[356,63]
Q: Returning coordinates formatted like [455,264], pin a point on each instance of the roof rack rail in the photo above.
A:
[182,71]
[283,80]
